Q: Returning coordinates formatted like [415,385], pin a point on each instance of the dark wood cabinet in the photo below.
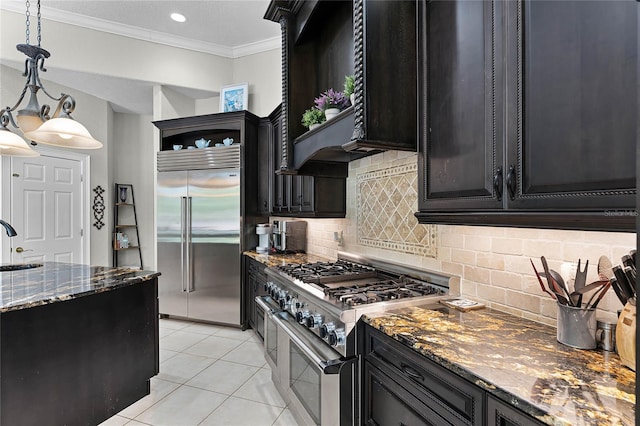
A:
[298,195]
[501,414]
[254,280]
[526,117]
[448,397]
[322,42]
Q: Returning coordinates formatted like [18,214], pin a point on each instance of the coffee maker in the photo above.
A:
[263,230]
[290,236]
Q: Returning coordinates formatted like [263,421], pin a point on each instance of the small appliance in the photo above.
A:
[290,236]
[263,230]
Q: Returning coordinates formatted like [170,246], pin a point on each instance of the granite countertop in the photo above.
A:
[275,259]
[55,282]
[520,362]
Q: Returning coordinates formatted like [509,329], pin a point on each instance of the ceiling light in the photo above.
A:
[178,17]
[34,121]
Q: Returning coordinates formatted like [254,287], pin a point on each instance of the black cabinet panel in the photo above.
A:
[388,403]
[501,414]
[579,60]
[254,280]
[526,113]
[461,145]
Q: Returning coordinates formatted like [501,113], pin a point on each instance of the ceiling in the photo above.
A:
[212,26]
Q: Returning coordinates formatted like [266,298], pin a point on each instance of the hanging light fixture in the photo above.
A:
[34,121]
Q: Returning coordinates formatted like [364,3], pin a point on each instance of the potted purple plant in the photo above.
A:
[331,102]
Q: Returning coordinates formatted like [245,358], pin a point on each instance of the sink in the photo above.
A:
[9,268]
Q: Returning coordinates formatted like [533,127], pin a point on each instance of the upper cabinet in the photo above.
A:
[324,41]
[528,113]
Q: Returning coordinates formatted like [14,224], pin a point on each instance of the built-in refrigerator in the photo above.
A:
[198,234]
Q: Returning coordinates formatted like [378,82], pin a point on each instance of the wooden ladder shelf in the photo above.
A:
[124,210]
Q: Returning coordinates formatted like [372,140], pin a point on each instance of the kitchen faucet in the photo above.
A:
[10,231]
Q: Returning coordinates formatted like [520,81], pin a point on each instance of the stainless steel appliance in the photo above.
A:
[290,236]
[263,230]
[198,234]
[310,333]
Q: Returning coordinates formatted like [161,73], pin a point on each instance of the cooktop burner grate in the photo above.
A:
[381,291]
[327,272]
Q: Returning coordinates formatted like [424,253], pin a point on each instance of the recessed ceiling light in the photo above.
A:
[178,17]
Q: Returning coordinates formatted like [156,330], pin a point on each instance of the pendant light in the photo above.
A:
[33,120]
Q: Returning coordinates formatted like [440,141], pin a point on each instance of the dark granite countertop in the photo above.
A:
[520,362]
[272,260]
[55,282]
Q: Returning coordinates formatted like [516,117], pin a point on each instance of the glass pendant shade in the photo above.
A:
[28,120]
[64,132]
[12,144]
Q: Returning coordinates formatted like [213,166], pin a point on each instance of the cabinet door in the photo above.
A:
[279,202]
[572,109]
[501,414]
[460,106]
[385,402]
[302,194]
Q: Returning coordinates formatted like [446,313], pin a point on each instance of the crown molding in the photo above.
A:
[147,35]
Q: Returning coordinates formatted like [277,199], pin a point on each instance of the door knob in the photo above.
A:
[20,250]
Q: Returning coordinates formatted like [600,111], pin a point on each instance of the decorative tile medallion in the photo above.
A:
[386,201]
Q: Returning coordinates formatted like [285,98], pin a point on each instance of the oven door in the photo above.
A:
[317,383]
[265,306]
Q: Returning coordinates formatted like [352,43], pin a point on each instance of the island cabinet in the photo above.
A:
[400,386]
[299,195]
[322,42]
[527,113]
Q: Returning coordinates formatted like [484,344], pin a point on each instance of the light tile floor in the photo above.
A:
[209,375]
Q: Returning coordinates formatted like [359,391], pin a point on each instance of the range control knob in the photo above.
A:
[326,329]
[283,300]
[314,320]
[337,337]
[267,284]
[301,316]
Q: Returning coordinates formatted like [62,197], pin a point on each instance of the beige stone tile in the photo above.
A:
[518,264]
[463,256]
[523,301]
[506,279]
[491,293]
[468,288]
[490,261]
[511,246]
[524,233]
[477,243]
[547,248]
[475,274]
[574,251]
[452,268]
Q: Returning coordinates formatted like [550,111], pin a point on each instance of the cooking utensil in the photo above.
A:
[631,278]
[604,268]
[579,282]
[555,288]
[632,253]
[540,281]
[616,287]
[563,286]
[599,298]
[595,293]
[627,260]
[626,288]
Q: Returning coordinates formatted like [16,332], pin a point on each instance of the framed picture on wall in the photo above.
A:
[234,97]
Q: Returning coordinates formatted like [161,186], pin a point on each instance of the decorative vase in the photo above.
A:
[352,98]
[313,126]
[331,112]
[123,194]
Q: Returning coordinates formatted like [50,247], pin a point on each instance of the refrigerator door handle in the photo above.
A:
[189,248]
[183,202]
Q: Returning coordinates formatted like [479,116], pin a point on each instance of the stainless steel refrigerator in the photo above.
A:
[198,235]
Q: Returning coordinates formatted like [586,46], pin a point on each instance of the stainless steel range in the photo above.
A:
[310,333]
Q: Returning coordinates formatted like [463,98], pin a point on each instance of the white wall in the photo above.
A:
[263,72]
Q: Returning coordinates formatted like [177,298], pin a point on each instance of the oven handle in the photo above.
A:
[330,366]
[262,304]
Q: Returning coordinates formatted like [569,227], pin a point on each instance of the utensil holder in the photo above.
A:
[576,327]
[626,335]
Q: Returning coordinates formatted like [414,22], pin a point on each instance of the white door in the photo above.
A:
[46,209]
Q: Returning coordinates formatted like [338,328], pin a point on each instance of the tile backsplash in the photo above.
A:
[492,262]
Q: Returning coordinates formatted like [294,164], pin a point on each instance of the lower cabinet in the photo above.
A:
[501,414]
[402,387]
[254,281]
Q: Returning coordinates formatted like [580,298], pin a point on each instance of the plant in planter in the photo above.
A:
[312,118]
[331,102]
[349,87]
